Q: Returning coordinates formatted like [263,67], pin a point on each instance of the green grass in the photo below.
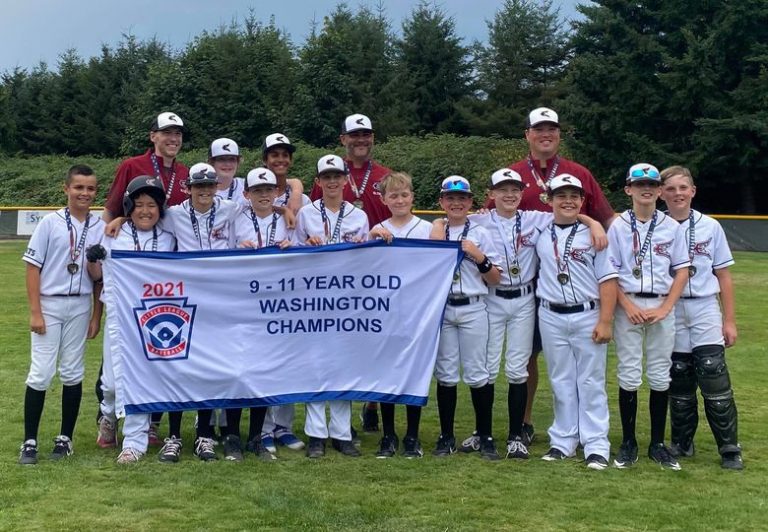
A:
[89,491]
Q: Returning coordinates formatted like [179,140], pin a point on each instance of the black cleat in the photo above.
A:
[732,461]
[387,446]
[315,448]
[659,453]
[528,434]
[62,447]
[345,447]
[679,450]
[257,447]
[445,446]
[488,448]
[233,450]
[554,455]
[28,453]
[596,462]
[627,455]
[412,448]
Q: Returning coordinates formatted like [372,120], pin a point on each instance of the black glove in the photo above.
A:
[95,253]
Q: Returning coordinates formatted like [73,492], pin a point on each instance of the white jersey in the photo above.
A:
[234,192]
[60,253]
[158,240]
[194,231]
[468,281]
[708,250]
[282,199]
[267,231]
[515,240]
[351,227]
[577,277]
[665,253]
[415,228]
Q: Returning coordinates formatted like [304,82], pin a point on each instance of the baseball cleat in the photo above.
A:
[488,449]
[659,453]
[107,437]
[28,453]
[412,447]
[170,451]
[204,449]
[470,444]
[152,435]
[528,434]
[732,461]
[627,455]
[129,456]
[596,462]
[268,439]
[62,447]
[233,450]
[286,438]
[445,446]
[257,447]
[315,448]
[370,418]
[679,450]
[387,446]
[345,447]
[516,448]
[554,455]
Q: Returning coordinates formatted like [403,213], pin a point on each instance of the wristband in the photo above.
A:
[485,266]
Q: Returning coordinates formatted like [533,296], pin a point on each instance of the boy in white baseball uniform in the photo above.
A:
[330,220]
[203,222]
[143,204]
[648,249]
[397,194]
[224,156]
[257,226]
[464,332]
[59,290]
[577,290]
[702,330]
[511,305]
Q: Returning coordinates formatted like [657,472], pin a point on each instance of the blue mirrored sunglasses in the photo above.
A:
[645,172]
[456,186]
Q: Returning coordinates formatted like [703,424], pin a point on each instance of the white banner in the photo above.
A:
[27,220]
[243,328]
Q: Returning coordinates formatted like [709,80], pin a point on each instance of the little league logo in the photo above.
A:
[165,326]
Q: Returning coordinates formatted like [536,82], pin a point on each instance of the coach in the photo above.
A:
[543,162]
[165,135]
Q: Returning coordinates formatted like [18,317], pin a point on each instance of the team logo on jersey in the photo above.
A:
[165,326]
[577,254]
[349,237]
[700,248]
[527,240]
[662,249]
[219,234]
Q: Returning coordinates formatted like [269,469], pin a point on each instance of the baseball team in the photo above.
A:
[548,267]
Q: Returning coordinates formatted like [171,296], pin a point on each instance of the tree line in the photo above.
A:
[668,82]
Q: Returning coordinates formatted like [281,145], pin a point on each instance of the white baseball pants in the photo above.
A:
[463,342]
[515,320]
[341,420]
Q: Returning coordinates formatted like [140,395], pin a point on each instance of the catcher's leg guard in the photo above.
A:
[719,406]
[683,407]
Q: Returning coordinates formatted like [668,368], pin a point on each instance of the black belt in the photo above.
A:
[513,294]
[647,295]
[61,295]
[690,297]
[461,301]
[570,309]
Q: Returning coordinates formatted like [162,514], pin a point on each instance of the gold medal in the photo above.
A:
[637,272]
[544,198]
[456,276]
[691,270]
[562,278]
[358,204]
[72,268]
[514,270]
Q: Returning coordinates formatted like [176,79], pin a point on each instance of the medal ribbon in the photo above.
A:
[640,255]
[518,237]
[195,226]
[562,267]
[231,189]
[74,252]
[135,234]
[535,173]
[327,224]
[463,233]
[691,236]
[353,185]
[159,175]
[255,220]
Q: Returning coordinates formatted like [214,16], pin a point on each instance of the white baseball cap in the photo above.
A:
[505,175]
[277,139]
[260,176]
[540,115]
[331,163]
[455,183]
[564,180]
[356,122]
[643,172]
[166,120]
[202,174]
[224,146]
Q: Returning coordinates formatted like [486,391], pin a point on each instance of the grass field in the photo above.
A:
[89,491]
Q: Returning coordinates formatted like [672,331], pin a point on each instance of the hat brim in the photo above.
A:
[347,132]
[540,122]
[520,184]
[290,147]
